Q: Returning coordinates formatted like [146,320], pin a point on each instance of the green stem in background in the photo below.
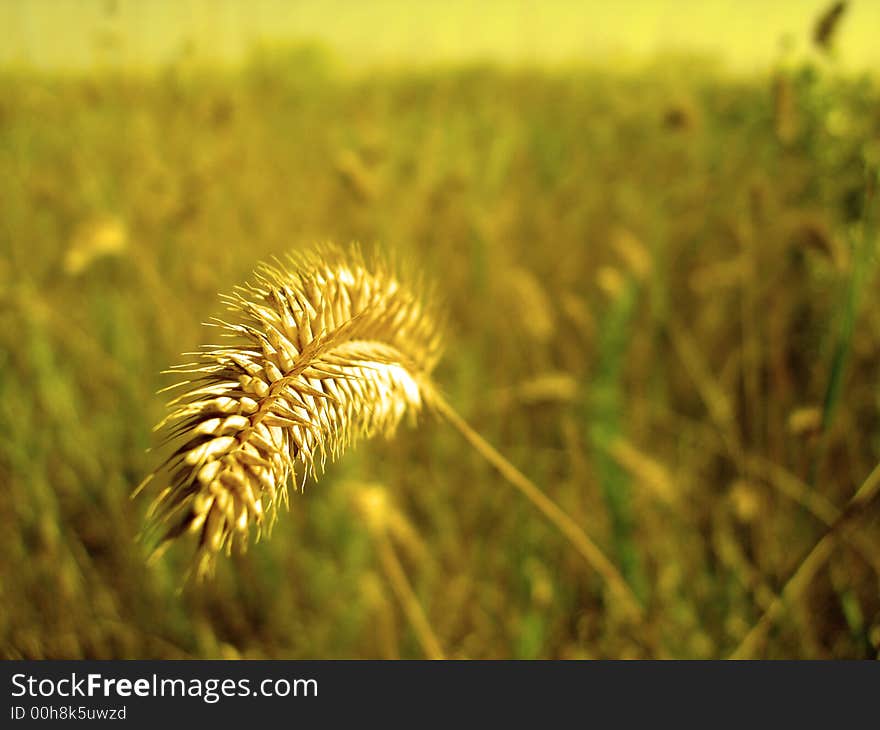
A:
[605,406]
[567,526]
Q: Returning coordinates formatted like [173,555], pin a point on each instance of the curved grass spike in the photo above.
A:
[322,349]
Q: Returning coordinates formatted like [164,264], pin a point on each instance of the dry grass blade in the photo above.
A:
[567,526]
[380,516]
[407,597]
[323,350]
[373,503]
[809,566]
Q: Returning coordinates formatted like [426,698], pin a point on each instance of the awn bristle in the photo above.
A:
[323,350]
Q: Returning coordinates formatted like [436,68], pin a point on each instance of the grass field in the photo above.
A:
[662,305]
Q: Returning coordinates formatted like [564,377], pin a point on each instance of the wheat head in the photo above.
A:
[322,349]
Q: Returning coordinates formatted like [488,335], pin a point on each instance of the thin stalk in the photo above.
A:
[557,517]
[860,276]
[406,595]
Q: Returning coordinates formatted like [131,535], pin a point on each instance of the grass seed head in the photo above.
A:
[321,350]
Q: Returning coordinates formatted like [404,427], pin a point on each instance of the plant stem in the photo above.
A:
[567,526]
[407,597]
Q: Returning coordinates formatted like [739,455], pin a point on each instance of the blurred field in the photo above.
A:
[662,305]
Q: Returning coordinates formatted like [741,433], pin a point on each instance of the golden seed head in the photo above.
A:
[322,350]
